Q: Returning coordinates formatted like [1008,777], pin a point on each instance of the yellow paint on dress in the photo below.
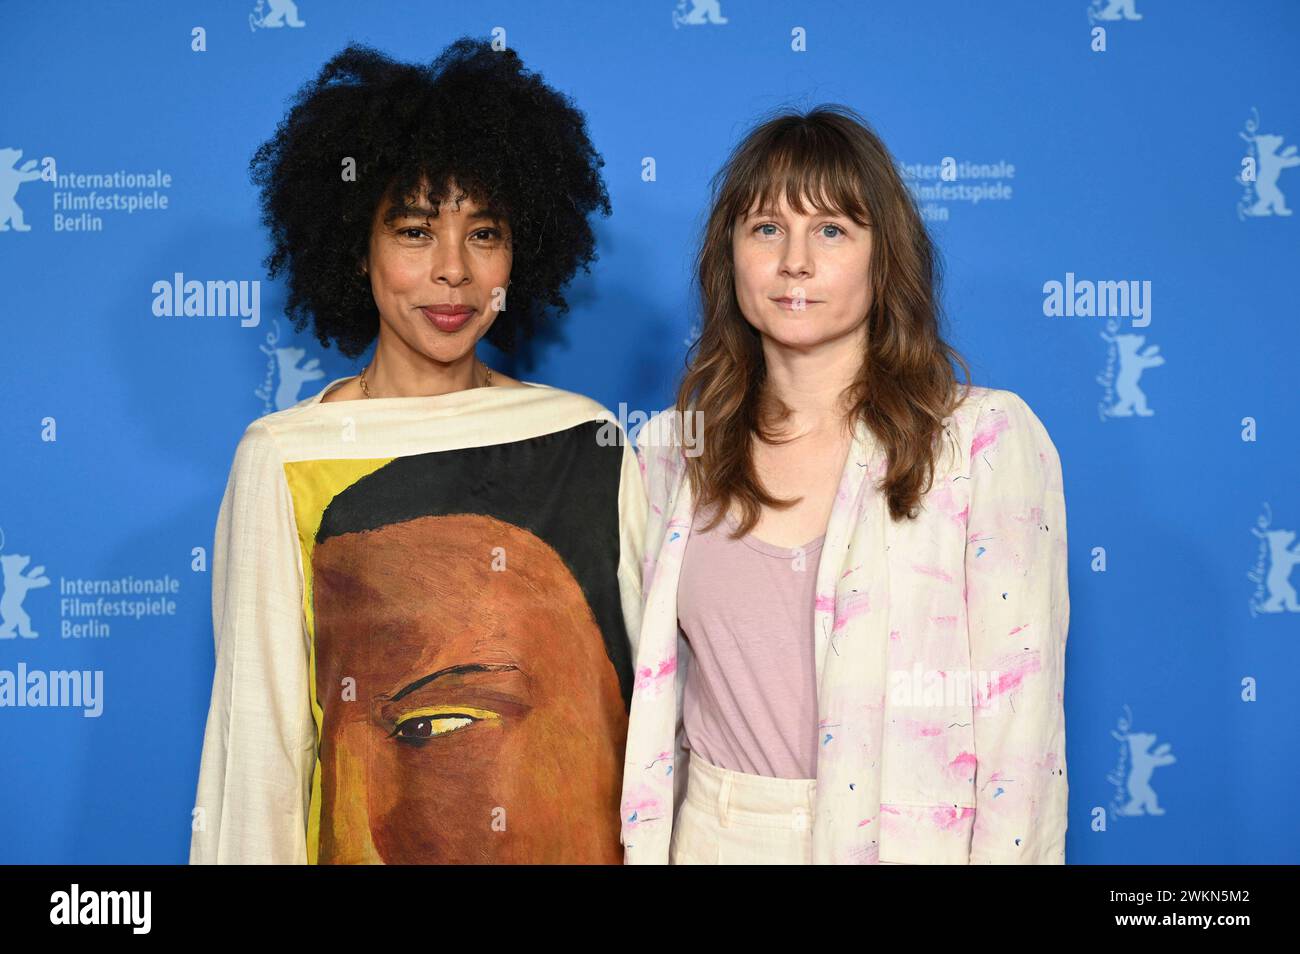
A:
[313,484]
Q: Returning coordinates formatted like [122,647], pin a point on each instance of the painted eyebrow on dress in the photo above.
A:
[451,671]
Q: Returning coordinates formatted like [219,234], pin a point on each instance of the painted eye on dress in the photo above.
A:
[421,726]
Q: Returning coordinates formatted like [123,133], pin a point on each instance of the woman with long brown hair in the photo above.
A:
[855,589]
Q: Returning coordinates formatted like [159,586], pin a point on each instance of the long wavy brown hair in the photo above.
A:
[831,159]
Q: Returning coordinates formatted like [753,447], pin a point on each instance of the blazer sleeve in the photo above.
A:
[259,745]
[660,478]
[649,438]
[1018,612]
[633,506]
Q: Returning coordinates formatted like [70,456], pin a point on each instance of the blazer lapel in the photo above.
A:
[655,773]
[672,545]
[839,531]
[850,632]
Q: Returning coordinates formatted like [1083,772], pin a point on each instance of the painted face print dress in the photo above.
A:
[425,611]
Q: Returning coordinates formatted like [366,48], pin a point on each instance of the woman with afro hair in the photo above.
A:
[426,586]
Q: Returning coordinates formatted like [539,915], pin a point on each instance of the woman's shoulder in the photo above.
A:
[512,393]
[670,431]
[1001,421]
[979,406]
[380,427]
[587,407]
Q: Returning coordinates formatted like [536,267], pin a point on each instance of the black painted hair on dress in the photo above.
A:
[561,487]
[476,116]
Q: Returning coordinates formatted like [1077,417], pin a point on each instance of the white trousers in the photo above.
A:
[733,818]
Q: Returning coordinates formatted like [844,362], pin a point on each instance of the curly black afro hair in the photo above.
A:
[512,143]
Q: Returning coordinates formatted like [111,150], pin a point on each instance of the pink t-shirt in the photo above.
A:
[746,608]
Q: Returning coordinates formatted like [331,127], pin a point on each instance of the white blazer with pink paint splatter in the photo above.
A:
[940,653]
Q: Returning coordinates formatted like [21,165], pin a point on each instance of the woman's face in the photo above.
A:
[418,261]
[801,280]
[471,712]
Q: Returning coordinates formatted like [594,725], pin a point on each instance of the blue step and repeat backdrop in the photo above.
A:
[1113,184]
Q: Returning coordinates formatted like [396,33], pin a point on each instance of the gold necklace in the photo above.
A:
[365,388]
